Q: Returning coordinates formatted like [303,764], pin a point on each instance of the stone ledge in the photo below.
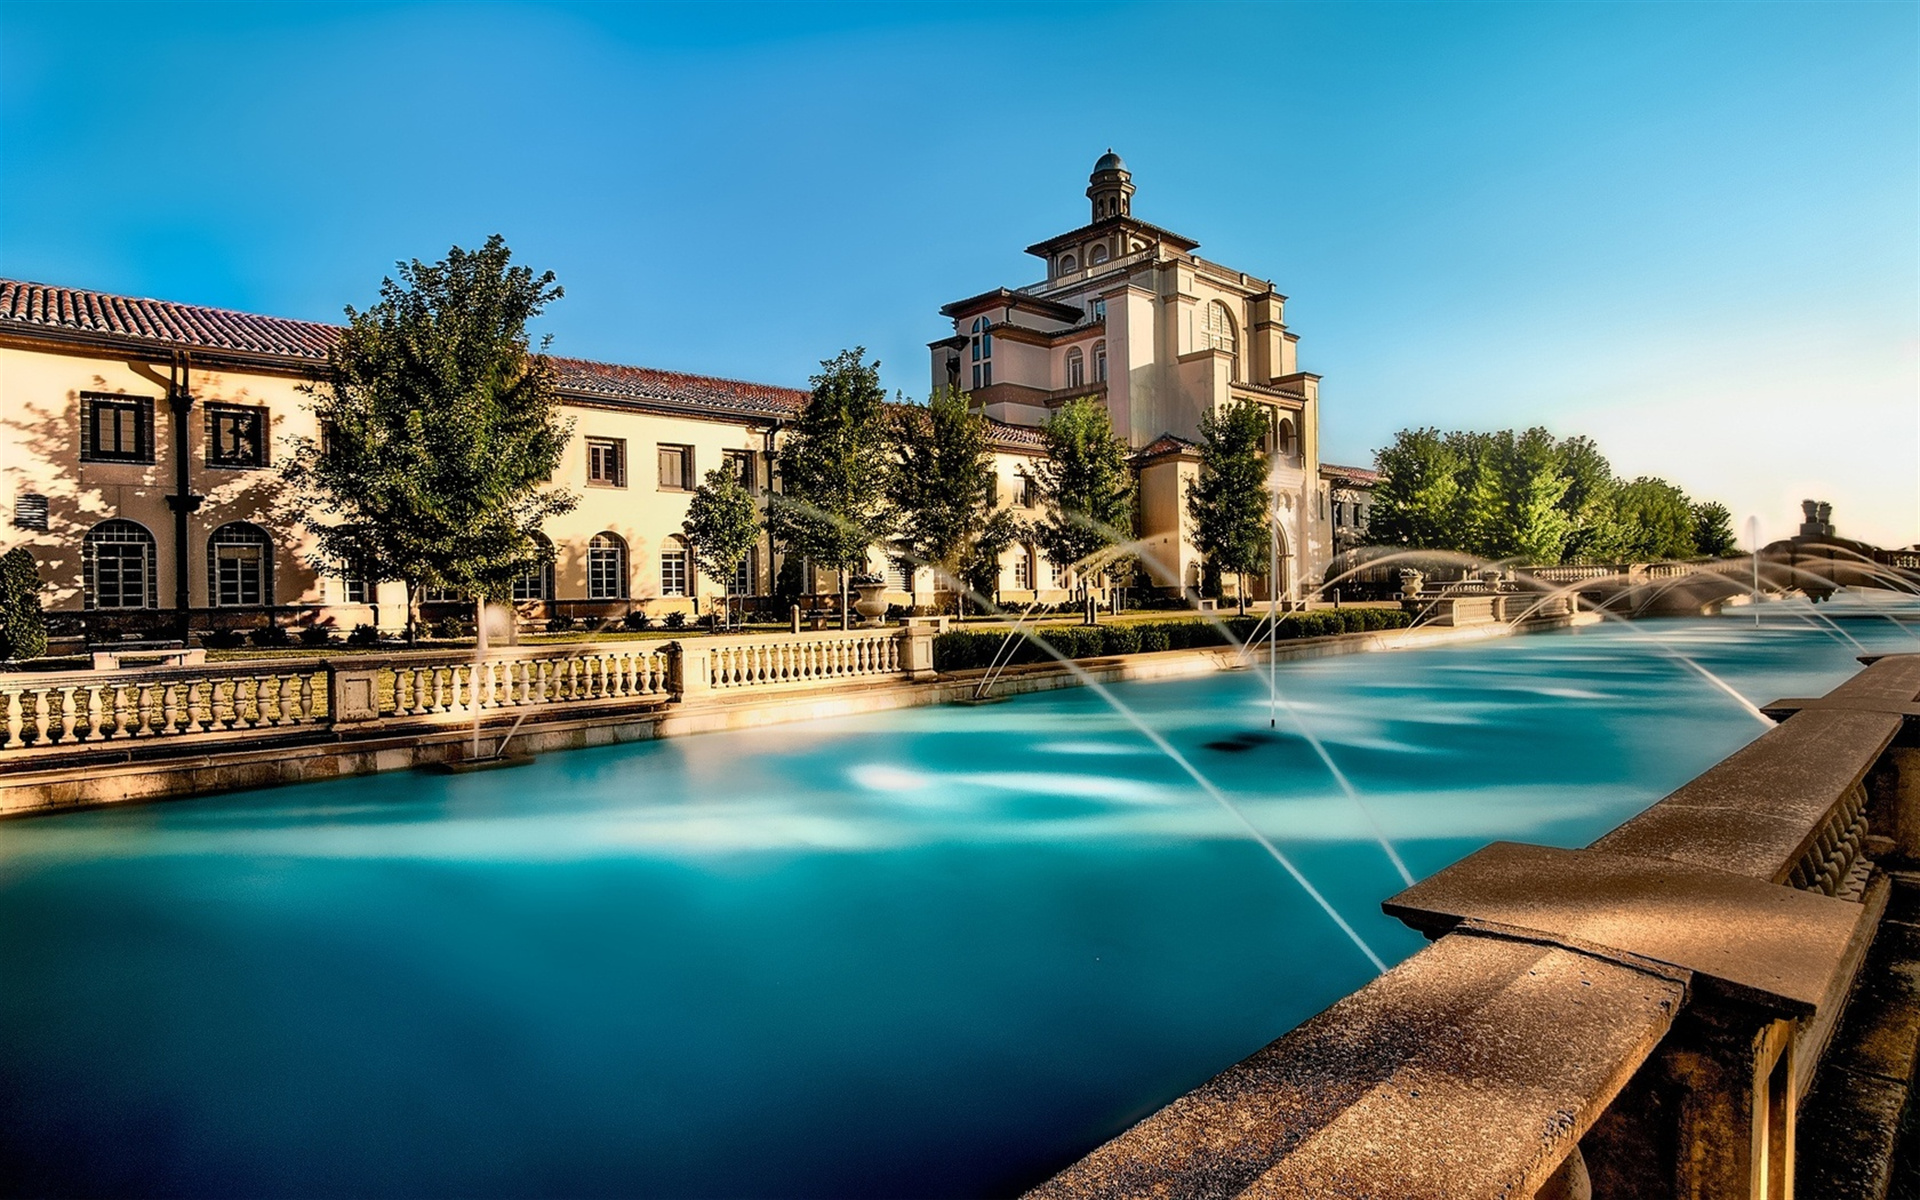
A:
[1366,1099]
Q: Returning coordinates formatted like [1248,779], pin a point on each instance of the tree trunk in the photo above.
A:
[1242,590]
[845,623]
[413,610]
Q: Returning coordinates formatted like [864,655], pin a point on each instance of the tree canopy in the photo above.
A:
[722,524]
[440,428]
[1524,496]
[1229,501]
[941,485]
[833,467]
[1086,488]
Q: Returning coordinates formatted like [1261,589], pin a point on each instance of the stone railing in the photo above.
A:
[806,660]
[46,714]
[80,707]
[1643,1017]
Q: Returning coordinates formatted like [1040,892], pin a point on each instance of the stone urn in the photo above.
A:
[872,601]
[1411,581]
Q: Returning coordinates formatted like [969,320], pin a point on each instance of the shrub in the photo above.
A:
[23,627]
[452,627]
[316,635]
[638,621]
[676,620]
[1153,638]
[223,639]
[1121,639]
[559,624]
[364,635]
[270,635]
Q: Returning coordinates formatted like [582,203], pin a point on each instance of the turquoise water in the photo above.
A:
[931,952]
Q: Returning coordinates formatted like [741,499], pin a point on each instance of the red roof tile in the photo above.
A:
[95,316]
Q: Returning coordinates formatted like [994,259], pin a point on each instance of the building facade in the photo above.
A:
[142,439]
[1129,315]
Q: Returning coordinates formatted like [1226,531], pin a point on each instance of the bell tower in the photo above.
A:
[1110,187]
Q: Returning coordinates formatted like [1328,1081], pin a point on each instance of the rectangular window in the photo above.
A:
[1099,310]
[673,572]
[120,575]
[676,468]
[1029,492]
[606,569]
[354,589]
[744,575]
[1076,370]
[1339,515]
[116,428]
[1023,570]
[237,575]
[236,436]
[607,462]
[739,464]
[1100,363]
[982,374]
[536,584]
[899,578]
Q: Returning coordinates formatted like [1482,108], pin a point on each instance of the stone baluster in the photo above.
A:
[16,699]
[93,706]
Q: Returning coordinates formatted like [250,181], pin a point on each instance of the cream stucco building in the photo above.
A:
[1129,314]
[113,409]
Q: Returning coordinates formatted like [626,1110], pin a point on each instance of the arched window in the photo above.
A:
[982,352]
[1068,264]
[606,567]
[1076,368]
[1283,439]
[1099,362]
[116,566]
[673,567]
[1217,334]
[537,583]
[240,566]
[1097,255]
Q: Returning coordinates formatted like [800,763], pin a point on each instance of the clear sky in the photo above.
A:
[1689,230]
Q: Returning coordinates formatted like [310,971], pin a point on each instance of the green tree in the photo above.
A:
[722,524]
[23,626]
[1517,486]
[833,469]
[1420,499]
[1228,502]
[1591,503]
[441,430]
[980,571]
[942,484]
[1086,490]
[1713,530]
[1656,521]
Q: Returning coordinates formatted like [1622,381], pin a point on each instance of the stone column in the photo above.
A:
[691,670]
[916,651]
[352,695]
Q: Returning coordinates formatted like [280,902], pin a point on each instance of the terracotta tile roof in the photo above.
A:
[42,306]
[1357,474]
[1166,443]
[95,317]
[698,391]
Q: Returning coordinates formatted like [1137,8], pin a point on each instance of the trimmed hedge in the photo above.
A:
[963,649]
[23,627]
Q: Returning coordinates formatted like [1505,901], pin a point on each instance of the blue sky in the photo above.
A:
[1689,230]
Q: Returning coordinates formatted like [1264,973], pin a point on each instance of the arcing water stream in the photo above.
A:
[931,952]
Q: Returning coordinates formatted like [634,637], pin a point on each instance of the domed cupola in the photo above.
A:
[1110,187]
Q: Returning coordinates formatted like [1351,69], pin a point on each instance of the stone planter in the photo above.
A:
[872,604]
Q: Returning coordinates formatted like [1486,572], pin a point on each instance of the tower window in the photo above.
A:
[1068,264]
[1076,368]
[1217,334]
[1097,255]
[1099,362]
[982,347]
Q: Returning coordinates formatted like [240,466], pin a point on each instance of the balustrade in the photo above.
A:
[244,699]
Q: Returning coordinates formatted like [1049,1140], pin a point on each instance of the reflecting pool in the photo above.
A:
[931,952]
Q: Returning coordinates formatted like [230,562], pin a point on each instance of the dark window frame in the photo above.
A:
[745,466]
[92,404]
[257,416]
[685,453]
[599,451]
